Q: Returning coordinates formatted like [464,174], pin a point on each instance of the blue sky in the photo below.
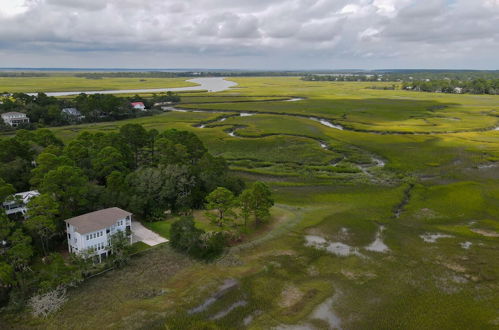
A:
[257,34]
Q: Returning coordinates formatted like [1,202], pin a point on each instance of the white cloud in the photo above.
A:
[369,34]
[10,8]
[204,33]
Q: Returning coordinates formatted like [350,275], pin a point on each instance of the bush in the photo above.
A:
[186,238]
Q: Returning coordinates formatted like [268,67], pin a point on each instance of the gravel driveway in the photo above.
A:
[142,234]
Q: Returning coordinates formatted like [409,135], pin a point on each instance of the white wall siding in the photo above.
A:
[98,240]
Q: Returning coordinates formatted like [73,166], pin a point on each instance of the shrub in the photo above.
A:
[186,238]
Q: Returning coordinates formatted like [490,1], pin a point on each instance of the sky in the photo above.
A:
[250,34]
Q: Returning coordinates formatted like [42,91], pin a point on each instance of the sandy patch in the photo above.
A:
[432,238]
[454,267]
[290,296]
[466,245]
[426,213]
[486,233]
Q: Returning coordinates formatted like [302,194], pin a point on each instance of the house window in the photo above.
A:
[88,237]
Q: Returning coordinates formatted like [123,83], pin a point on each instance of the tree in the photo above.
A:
[189,140]
[256,201]
[16,156]
[170,153]
[212,244]
[58,273]
[19,255]
[69,187]
[46,162]
[153,135]
[6,275]
[145,187]
[41,221]
[109,159]
[244,203]
[120,247]
[212,172]
[184,236]
[153,190]
[261,201]
[79,153]
[5,226]
[45,137]
[222,200]
[20,252]
[136,136]
[5,190]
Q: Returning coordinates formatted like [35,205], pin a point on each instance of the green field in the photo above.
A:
[405,199]
[64,83]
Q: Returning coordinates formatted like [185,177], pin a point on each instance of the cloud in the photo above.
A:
[203,33]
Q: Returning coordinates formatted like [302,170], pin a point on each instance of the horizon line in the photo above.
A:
[228,70]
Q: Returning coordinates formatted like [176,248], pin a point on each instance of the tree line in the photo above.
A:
[475,86]
[44,110]
[146,172]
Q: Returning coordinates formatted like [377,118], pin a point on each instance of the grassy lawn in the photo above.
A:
[417,232]
[138,247]
[160,227]
[70,84]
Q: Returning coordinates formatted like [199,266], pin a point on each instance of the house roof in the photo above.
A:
[71,111]
[134,104]
[24,196]
[13,114]
[87,223]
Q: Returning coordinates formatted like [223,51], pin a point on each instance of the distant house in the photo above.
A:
[159,104]
[89,234]
[138,106]
[15,119]
[458,90]
[17,203]
[72,113]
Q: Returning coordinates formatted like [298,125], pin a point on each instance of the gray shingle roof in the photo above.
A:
[93,221]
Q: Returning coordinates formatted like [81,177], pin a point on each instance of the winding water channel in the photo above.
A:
[232,131]
[219,84]
[204,84]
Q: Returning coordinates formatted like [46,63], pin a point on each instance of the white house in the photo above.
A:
[17,203]
[138,106]
[90,233]
[14,119]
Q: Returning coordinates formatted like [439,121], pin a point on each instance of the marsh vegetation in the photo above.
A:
[391,222]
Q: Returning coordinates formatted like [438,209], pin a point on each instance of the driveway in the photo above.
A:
[142,234]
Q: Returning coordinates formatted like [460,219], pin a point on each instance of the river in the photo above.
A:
[205,84]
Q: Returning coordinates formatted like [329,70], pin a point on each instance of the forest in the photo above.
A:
[144,171]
